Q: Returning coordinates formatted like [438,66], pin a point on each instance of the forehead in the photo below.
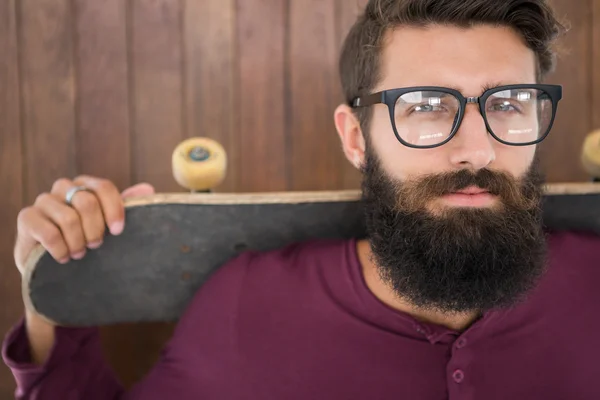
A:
[463,58]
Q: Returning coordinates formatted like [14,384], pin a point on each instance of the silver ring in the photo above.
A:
[72,191]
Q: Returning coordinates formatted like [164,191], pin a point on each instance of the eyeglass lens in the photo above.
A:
[516,116]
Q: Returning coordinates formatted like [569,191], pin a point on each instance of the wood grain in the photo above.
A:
[157,127]
[209,50]
[156,46]
[347,11]
[103,134]
[317,159]
[46,41]
[573,121]
[132,349]
[103,139]
[260,124]
[235,70]
[596,65]
[11,178]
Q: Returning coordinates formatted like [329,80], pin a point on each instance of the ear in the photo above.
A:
[351,135]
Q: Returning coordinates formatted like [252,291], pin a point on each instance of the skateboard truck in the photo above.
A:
[199,154]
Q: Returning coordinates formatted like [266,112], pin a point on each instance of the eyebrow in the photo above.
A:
[492,85]
[484,87]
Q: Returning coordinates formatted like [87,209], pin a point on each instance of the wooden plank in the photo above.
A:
[574,118]
[133,349]
[11,178]
[103,134]
[317,161]
[209,39]
[46,41]
[260,123]
[347,12]
[596,65]
[103,140]
[156,119]
[156,27]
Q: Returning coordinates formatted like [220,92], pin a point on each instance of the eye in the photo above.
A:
[504,106]
[425,108]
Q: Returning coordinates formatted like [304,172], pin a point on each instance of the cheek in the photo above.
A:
[515,160]
[381,131]
[398,160]
[383,141]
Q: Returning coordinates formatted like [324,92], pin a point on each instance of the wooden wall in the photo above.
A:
[111,87]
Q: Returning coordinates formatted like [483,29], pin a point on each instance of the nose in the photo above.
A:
[472,147]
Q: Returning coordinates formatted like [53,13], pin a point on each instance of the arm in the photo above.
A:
[41,337]
[54,362]
[195,362]
[51,362]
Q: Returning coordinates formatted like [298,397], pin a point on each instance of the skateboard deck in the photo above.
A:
[172,243]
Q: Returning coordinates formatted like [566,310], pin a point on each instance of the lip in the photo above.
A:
[470,197]
[471,190]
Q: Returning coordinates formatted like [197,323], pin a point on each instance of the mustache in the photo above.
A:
[524,194]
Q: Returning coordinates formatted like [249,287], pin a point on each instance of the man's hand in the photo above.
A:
[66,232]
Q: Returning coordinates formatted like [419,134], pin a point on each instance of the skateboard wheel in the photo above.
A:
[199,164]
[590,156]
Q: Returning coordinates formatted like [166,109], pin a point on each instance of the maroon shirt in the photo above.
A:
[300,323]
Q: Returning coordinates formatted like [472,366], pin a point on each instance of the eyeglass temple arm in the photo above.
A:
[368,100]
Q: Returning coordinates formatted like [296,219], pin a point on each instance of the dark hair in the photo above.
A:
[360,58]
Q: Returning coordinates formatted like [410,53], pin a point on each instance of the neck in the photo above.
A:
[455,321]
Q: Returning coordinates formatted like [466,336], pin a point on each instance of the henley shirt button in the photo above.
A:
[461,343]
[458,376]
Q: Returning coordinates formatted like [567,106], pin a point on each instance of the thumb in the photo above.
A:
[141,189]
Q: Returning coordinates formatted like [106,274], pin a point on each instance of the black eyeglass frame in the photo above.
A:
[390,97]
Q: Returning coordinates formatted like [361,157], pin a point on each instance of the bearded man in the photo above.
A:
[458,292]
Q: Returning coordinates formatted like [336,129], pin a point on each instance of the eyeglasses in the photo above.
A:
[429,116]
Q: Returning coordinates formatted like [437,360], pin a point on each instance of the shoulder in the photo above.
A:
[255,277]
[573,245]
[574,259]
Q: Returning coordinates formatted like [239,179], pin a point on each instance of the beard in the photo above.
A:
[455,260]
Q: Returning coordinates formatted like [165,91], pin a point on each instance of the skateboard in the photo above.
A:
[173,242]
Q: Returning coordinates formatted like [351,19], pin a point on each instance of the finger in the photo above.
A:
[110,201]
[67,220]
[34,227]
[90,212]
[141,189]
